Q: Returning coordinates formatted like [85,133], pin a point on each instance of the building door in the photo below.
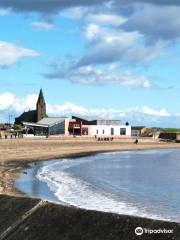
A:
[112,131]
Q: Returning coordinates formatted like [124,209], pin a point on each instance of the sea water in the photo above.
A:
[139,183]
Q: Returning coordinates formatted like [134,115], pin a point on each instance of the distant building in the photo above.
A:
[98,128]
[48,126]
[138,131]
[98,122]
[78,127]
[170,136]
[34,116]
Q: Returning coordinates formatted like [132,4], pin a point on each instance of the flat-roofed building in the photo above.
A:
[111,130]
[48,126]
[99,127]
[77,127]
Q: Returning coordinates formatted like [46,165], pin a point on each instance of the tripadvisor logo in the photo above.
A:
[139,231]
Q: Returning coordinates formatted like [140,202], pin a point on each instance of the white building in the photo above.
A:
[100,127]
[110,130]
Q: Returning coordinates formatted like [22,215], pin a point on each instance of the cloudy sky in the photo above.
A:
[116,59]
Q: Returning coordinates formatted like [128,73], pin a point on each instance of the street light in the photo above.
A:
[10,119]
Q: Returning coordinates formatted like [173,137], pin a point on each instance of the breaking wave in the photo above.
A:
[72,190]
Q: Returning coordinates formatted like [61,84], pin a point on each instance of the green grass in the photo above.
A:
[171,130]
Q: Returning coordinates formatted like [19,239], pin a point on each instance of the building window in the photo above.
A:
[97,131]
[112,131]
[122,131]
[103,131]
[135,133]
[85,131]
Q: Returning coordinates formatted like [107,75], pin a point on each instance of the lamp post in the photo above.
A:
[10,119]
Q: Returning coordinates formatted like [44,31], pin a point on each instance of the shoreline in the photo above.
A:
[10,171]
[36,187]
[11,168]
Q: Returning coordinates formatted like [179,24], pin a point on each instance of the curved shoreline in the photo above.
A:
[20,153]
[121,226]
[46,187]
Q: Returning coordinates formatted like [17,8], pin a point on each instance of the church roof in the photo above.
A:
[30,116]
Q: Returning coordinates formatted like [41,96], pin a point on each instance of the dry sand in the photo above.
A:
[43,149]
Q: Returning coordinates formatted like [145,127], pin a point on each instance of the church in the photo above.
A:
[38,123]
[34,115]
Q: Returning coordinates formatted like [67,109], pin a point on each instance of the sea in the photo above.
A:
[138,183]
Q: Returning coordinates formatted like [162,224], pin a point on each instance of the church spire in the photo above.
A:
[41,106]
[41,96]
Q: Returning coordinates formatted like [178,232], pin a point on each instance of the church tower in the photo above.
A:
[41,106]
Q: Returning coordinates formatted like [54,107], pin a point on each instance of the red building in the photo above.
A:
[75,128]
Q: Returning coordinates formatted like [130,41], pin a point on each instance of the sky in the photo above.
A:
[114,59]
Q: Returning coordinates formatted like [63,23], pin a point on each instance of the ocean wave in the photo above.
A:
[72,190]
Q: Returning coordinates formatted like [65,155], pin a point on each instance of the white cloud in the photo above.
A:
[43,25]
[4,11]
[135,81]
[9,101]
[149,111]
[103,19]
[88,15]
[91,16]
[6,100]
[108,45]
[75,12]
[11,53]
[91,31]
[65,109]
[68,109]
[90,75]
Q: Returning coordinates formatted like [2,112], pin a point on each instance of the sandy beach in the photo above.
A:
[44,149]
[15,156]
[17,153]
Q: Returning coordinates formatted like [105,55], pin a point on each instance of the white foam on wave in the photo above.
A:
[77,192]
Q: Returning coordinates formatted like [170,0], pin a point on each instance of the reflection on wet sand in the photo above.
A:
[8,174]
[35,186]
[30,185]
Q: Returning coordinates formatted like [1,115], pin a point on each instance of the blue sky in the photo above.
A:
[104,59]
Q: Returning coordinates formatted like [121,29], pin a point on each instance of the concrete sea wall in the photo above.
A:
[26,218]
